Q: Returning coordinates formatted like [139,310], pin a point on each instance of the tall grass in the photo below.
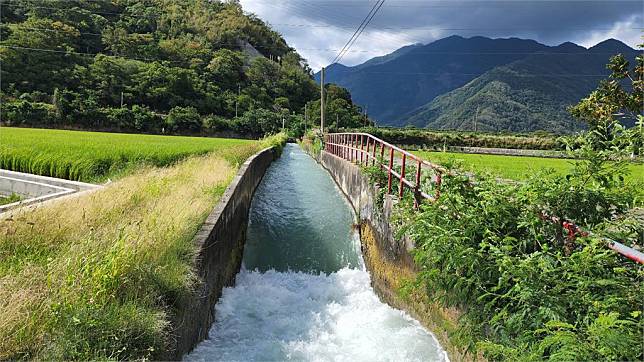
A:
[97,276]
[93,156]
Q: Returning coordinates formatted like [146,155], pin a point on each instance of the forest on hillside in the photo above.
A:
[154,66]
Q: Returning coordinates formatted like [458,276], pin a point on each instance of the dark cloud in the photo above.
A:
[319,28]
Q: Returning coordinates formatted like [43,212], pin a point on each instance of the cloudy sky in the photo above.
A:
[318,29]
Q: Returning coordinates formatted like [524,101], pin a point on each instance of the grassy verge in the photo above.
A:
[435,139]
[5,200]
[96,276]
[512,167]
[95,156]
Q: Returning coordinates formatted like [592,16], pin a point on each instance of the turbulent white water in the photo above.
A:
[307,315]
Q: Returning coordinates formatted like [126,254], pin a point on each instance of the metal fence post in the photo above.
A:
[402,176]
[391,166]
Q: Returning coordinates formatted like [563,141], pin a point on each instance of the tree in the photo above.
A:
[226,69]
[183,119]
[617,99]
[341,112]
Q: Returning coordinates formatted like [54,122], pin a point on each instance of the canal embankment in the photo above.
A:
[111,274]
[388,256]
[220,245]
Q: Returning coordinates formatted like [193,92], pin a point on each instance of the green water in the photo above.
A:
[299,220]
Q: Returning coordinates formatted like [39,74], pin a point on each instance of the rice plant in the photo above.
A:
[95,157]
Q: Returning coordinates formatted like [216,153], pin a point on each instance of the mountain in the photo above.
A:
[515,84]
[525,95]
[393,86]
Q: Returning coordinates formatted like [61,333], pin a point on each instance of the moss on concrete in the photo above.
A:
[389,277]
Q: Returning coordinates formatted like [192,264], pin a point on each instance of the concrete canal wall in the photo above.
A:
[387,257]
[220,243]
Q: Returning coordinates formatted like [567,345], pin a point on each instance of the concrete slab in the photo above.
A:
[35,189]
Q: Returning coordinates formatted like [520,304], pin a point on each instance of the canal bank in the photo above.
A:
[303,292]
[388,256]
[220,244]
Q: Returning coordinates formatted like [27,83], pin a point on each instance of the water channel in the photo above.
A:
[303,293]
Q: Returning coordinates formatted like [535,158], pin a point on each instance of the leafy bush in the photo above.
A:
[24,112]
[437,140]
[527,290]
[183,119]
[138,118]
[216,124]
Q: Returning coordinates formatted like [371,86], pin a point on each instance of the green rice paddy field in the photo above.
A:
[94,156]
[512,167]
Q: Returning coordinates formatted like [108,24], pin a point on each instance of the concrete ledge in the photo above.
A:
[74,185]
[35,189]
[220,244]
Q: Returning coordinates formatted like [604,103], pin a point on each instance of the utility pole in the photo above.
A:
[476,117]
[121,99]
[237,100]
[322,101]
[306,116]
[366,115]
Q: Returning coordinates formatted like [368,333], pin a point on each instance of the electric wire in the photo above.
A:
[357,31]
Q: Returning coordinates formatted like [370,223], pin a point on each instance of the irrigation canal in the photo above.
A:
[303,292]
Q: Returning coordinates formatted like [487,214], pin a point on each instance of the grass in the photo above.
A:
[511,167]
[94,156]
[5,200]
[97,276]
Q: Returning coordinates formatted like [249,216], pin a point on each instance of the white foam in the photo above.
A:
[277,316]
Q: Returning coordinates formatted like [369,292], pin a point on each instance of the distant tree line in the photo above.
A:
[189,66]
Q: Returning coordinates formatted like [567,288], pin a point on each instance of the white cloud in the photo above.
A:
[626,31]
[319,28]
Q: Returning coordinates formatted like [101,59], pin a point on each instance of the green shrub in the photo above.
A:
[214,123]
[138,118]
[27,113]
[183,119]
[528,291]
[421,138]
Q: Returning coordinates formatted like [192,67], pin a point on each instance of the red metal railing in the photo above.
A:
[364,148]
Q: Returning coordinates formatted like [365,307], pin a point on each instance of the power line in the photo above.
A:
[358,32]
[70,52]
[363,28]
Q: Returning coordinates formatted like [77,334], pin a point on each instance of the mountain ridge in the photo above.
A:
[397,89]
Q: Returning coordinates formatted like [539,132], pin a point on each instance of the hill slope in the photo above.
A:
[394,85]
[526,95]
[117,65]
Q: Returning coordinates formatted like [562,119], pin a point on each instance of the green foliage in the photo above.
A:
[341,112]
[186,119]
[157,55]
[438,140]
[4,200]
[23,112]
[528,291]
[612,104]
